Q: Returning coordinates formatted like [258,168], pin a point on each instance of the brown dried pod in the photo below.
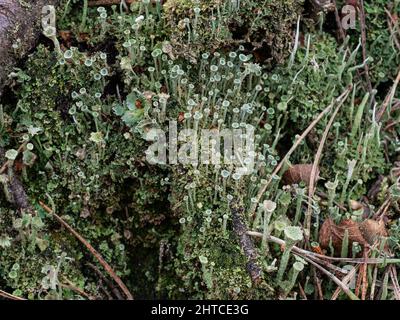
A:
[329,230]
[298,173]
[372,230]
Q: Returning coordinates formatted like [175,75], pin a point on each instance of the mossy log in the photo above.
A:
[19,24]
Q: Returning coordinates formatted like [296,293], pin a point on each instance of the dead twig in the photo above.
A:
[396,287]
[314,255]
[319,286]
[302,293]
[364,268]
[101,286]
[342,34]
[96,3]
[293,148]
[344,287]
[97,255]
[246,242]
[392,31]
[345,280]
[373,285]
[388,98]
[325,196]
[9,296]
[364,47]
[314,169]
[70,285]
[107,282]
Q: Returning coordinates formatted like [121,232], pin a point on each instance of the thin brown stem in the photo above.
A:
[314,169]
[292,149]
[92,250]
[9,296]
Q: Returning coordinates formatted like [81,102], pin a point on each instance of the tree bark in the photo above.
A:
[19,19]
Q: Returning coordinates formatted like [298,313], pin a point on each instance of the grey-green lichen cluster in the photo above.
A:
[73,131]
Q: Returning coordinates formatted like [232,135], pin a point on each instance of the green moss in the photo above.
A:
[168,230]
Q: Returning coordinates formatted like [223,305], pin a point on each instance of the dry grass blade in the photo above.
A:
[373,285]
[323,257]
[342,34]
[97,255]
[383,208]
[70,285]
[301,252]
[364,45]
[9,296]
[346,280]
[393,31]
[396,287]
[95,3]
[318,155]
[302,293]
[388,98]
[293,148]
[318,286]
[364,286]
[344,287]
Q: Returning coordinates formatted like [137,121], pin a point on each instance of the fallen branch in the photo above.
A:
[113,288]
[293,148]
[302,293]
[97,255]
[318,286]
[345,288]
[321,256]
[388,98]
[9,296]
[246,242]
[345,281]
[396,287]
[314,169]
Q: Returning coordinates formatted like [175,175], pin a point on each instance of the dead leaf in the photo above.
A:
[299,173]
[372,229]
[329,230]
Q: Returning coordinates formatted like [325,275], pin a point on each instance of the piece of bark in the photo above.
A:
[17,192]
[18,20]
[246,243]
